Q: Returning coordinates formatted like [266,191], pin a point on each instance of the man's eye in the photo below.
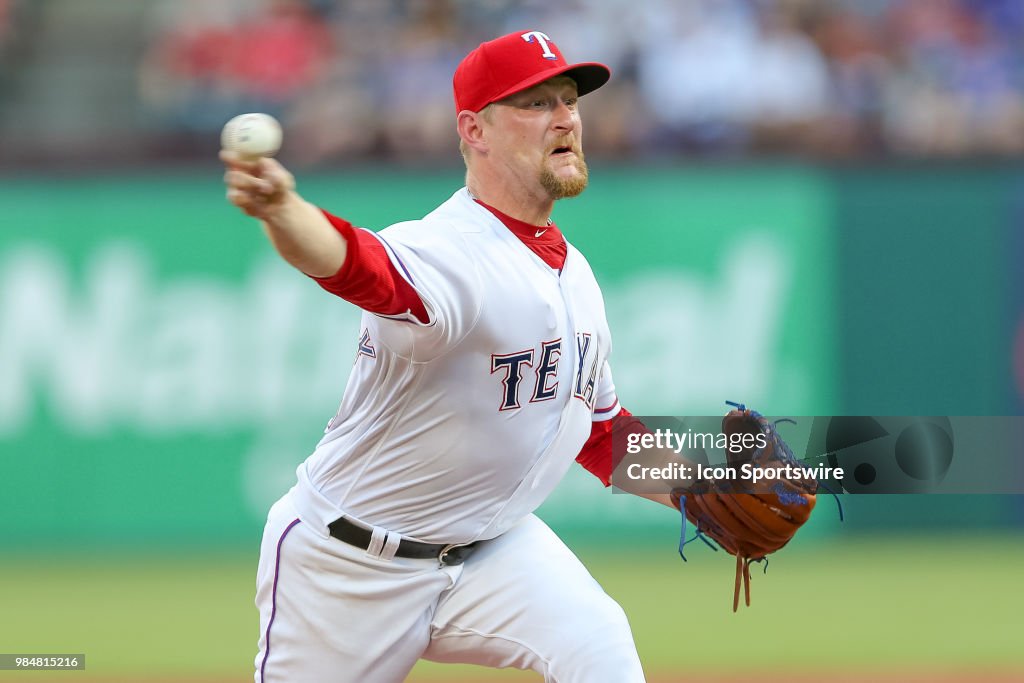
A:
[538,104]
[571,102]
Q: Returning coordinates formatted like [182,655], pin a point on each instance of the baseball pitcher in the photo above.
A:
[482,372]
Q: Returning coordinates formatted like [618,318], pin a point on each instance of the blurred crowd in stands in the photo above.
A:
[832,79]
[6,27]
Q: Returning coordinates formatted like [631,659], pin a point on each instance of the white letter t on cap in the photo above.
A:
[543,40]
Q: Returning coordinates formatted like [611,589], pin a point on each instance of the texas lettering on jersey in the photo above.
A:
[510,368]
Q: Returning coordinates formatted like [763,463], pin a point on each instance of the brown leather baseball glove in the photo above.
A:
[748,519]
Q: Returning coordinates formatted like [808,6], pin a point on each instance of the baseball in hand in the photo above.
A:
[252,135]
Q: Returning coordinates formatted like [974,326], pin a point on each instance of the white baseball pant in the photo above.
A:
[331,612]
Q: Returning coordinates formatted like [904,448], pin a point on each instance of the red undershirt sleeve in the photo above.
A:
[597,455]
[368,278]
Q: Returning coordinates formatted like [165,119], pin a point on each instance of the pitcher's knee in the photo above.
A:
[602,652]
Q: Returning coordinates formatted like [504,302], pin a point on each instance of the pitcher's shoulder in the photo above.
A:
[461,214]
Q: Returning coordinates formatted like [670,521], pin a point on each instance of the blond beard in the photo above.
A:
[563,188]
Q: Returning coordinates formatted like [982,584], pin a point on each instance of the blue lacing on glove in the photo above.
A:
[789,453]
[682,533]
[737,406]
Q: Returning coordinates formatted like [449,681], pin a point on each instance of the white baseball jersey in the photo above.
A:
[454,430]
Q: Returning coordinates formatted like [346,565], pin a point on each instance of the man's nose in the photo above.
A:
[564,118]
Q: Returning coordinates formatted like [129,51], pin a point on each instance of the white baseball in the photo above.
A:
[252,135]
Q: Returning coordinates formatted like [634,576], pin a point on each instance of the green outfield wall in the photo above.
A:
[162,373]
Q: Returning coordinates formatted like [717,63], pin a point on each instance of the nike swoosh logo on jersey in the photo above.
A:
[540,232]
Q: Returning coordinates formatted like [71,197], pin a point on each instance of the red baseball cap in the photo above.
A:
[512,63]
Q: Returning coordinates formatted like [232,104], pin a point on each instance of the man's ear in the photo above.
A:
[470,125]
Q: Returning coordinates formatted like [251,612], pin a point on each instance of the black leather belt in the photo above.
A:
[451,554]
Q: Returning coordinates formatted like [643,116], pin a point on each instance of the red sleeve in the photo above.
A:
[597,455]
[368,278]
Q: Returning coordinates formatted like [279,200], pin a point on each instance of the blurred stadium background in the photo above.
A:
[814,206]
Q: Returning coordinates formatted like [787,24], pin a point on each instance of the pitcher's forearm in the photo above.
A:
[301,234]
[304,237]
